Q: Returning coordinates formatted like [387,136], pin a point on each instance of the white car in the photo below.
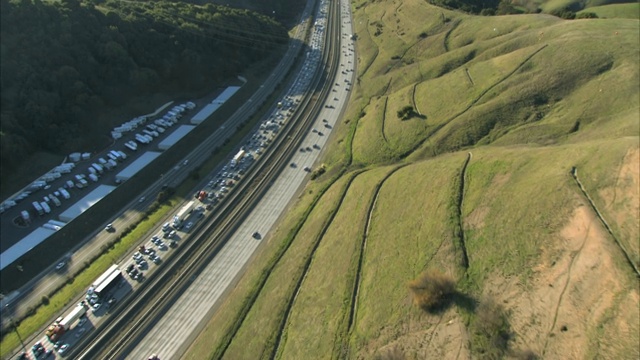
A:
[60,265]
[63,348]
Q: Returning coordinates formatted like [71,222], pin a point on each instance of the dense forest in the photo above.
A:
[64,62]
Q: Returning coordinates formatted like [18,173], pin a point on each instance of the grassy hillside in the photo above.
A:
[611,11]
[476,189]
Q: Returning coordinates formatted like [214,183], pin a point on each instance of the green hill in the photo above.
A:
[476,189]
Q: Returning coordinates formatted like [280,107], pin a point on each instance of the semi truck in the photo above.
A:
[181,216]
[57,329]
[237,158]
[39,209]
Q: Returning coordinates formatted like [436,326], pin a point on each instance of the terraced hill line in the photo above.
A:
[353,304]
[475,101]
[384,116]
[459,242]
[253,295]
[413,99]
[454,25]
[466,70]
[305,269]
[574,173]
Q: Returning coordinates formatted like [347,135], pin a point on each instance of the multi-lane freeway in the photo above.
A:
[172,332]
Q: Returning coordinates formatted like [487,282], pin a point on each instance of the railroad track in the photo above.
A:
[140,309]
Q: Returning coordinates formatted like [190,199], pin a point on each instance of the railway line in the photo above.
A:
[139,311]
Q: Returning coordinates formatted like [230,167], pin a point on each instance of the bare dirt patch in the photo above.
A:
[440,336]
[574,290]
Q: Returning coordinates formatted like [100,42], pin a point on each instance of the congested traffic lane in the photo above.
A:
[172,332]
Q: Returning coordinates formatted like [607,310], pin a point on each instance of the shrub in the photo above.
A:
[406,112]
[587,15]
[432,289]
[491,331]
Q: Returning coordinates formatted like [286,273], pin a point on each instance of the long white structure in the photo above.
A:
[175,136]
[24,246]
[137,165]
[204,114]
[86,202]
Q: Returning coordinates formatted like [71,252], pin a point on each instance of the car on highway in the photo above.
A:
[112,301]
[109,228]
[63,349]
[188,226]
[307,169]
[80,332]
[60,265]
[142,199]
[256,235]
[96,306]
[82,321]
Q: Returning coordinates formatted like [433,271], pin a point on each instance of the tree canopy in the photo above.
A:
[64,62]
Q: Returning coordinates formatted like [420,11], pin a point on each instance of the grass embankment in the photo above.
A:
[281,260]
[530,97]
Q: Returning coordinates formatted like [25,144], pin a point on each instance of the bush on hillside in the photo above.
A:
[490,331]
[406,112]
[587,15]
[432,289]
[564,14]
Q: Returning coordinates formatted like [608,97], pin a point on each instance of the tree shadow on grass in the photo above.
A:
[460,300]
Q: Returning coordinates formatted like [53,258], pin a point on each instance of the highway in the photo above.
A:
[77,257]
[175,330]
[208,287]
